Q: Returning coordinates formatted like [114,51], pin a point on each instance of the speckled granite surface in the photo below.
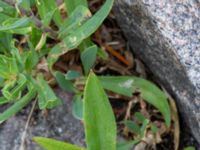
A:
[166,35]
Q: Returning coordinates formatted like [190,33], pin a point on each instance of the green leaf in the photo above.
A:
[16,54]
[99,120]
[8,67]
[31,60]
[102,54]
[75,37]
[77,107]
[71,5]
[144,127]
[71,75]
[89,27]
[75,20]
[25,4]
[132,126]
[47,19]
[17,106]
[46,6]
[54,54]
[121,85]
[139,116]
[46,96]
[1,82]
[5,40]
[189,148]
[15,25]
[126,85]
[63,83]
[3,100]
[127,145]
[88,58]
[50,144]
[7,9]
[35,36]
[154,128]
[3,17]
[12,90]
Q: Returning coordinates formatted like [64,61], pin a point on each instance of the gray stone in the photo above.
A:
[58,124]
[165,34]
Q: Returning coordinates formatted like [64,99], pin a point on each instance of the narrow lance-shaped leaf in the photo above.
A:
[50,144]
[7,9]
[31,60]
[81,33]
[46,96]
[77,107]
[88,58]
[46,6]
[3,17]
[78,35]
[126,85]
[25,4]
[1,82]
[3,100]
[71,5]
[75,20]
[17,25]
[99,120]
[5,40]
[17,106]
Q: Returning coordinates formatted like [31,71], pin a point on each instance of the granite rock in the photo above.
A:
[58,123]
[165,34]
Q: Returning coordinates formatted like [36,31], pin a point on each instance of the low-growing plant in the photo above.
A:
[189,148]
[27,64]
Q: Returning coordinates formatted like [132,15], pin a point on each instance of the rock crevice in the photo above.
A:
[166,36]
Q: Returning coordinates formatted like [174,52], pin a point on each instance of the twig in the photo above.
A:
[23,137]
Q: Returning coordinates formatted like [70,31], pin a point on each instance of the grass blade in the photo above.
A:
[50,144]
[17,25]
[17,106]
[71,5]
[78,35]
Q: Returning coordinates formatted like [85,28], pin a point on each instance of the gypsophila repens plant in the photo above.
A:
[27,60]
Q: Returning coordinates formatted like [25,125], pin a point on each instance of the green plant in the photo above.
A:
[19,69]
[100,126]
[189,148]
[24,71]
